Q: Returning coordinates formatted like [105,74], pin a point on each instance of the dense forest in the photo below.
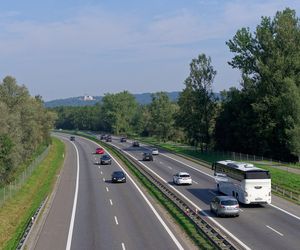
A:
[260,117]
[24,126]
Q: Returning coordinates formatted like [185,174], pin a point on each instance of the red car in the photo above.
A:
[99,151]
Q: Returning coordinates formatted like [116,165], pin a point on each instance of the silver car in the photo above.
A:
[225,206]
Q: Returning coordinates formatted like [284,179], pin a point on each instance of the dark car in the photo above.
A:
[105,160]
[135,144]
[147,156]
[123,139]
[108,138]
[118,176]
[72,138]
[225,205]
[103,137]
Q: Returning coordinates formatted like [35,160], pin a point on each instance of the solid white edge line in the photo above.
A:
[274,230]
[71,227]
[198,208]
[116,220]
[281,209]
[284,211]
[123,246]
[147,201]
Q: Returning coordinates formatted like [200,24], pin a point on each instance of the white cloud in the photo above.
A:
[72,47]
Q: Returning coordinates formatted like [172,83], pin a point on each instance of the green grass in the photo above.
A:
[198,237]
[16,213]
[284,179]
[281,178]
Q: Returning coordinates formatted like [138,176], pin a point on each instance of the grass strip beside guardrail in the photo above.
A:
[199,238]
[281,178]
[16,213]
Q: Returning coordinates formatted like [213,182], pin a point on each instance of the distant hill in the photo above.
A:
[144,98]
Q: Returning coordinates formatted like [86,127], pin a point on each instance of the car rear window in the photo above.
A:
[229,202]
[184,175]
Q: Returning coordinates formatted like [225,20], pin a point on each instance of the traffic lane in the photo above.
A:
[148,233]
[264,215]
[93,227]
[278,203]
[54,232]
[135,235]
[202,193]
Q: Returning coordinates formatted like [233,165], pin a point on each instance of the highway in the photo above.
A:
[257,227]
[90,212]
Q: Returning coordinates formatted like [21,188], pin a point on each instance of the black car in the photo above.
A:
[118,176]
[72,138]
[123,139]
[135,144]
[108,138]
[103,137]
[105,160]
[147,156]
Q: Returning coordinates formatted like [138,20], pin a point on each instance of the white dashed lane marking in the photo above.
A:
[116,220]
[274,230]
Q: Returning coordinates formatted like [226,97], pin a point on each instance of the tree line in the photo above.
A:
[260,117]
[24,126]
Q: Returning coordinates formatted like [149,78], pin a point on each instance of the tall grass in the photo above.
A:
[16,213]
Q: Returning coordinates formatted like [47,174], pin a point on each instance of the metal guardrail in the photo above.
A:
[214,235]
[30,225]
[285,193]
[295,196]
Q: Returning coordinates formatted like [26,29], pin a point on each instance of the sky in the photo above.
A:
[67,48]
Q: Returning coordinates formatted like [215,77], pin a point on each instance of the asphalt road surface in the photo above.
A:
[275,226]
[90,212]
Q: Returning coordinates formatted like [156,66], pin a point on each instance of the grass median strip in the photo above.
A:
[197,236]
[16,213]
[281,178]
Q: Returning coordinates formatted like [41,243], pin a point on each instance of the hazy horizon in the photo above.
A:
[62,49]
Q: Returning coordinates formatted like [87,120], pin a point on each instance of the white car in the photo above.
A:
[155,151]
[182,178]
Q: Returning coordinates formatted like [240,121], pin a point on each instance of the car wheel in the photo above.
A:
[211,209]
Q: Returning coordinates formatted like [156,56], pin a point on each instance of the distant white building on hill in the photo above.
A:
[88,98]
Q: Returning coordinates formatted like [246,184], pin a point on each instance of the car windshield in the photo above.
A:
[118,174]
[184,175]
[105,157]
[229,202]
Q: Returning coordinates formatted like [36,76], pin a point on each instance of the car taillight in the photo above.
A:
[222,206]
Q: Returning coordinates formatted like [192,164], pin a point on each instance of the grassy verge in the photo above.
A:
[16,213]
[281,178]
[197,236]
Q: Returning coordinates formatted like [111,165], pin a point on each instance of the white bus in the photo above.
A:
[247,183]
